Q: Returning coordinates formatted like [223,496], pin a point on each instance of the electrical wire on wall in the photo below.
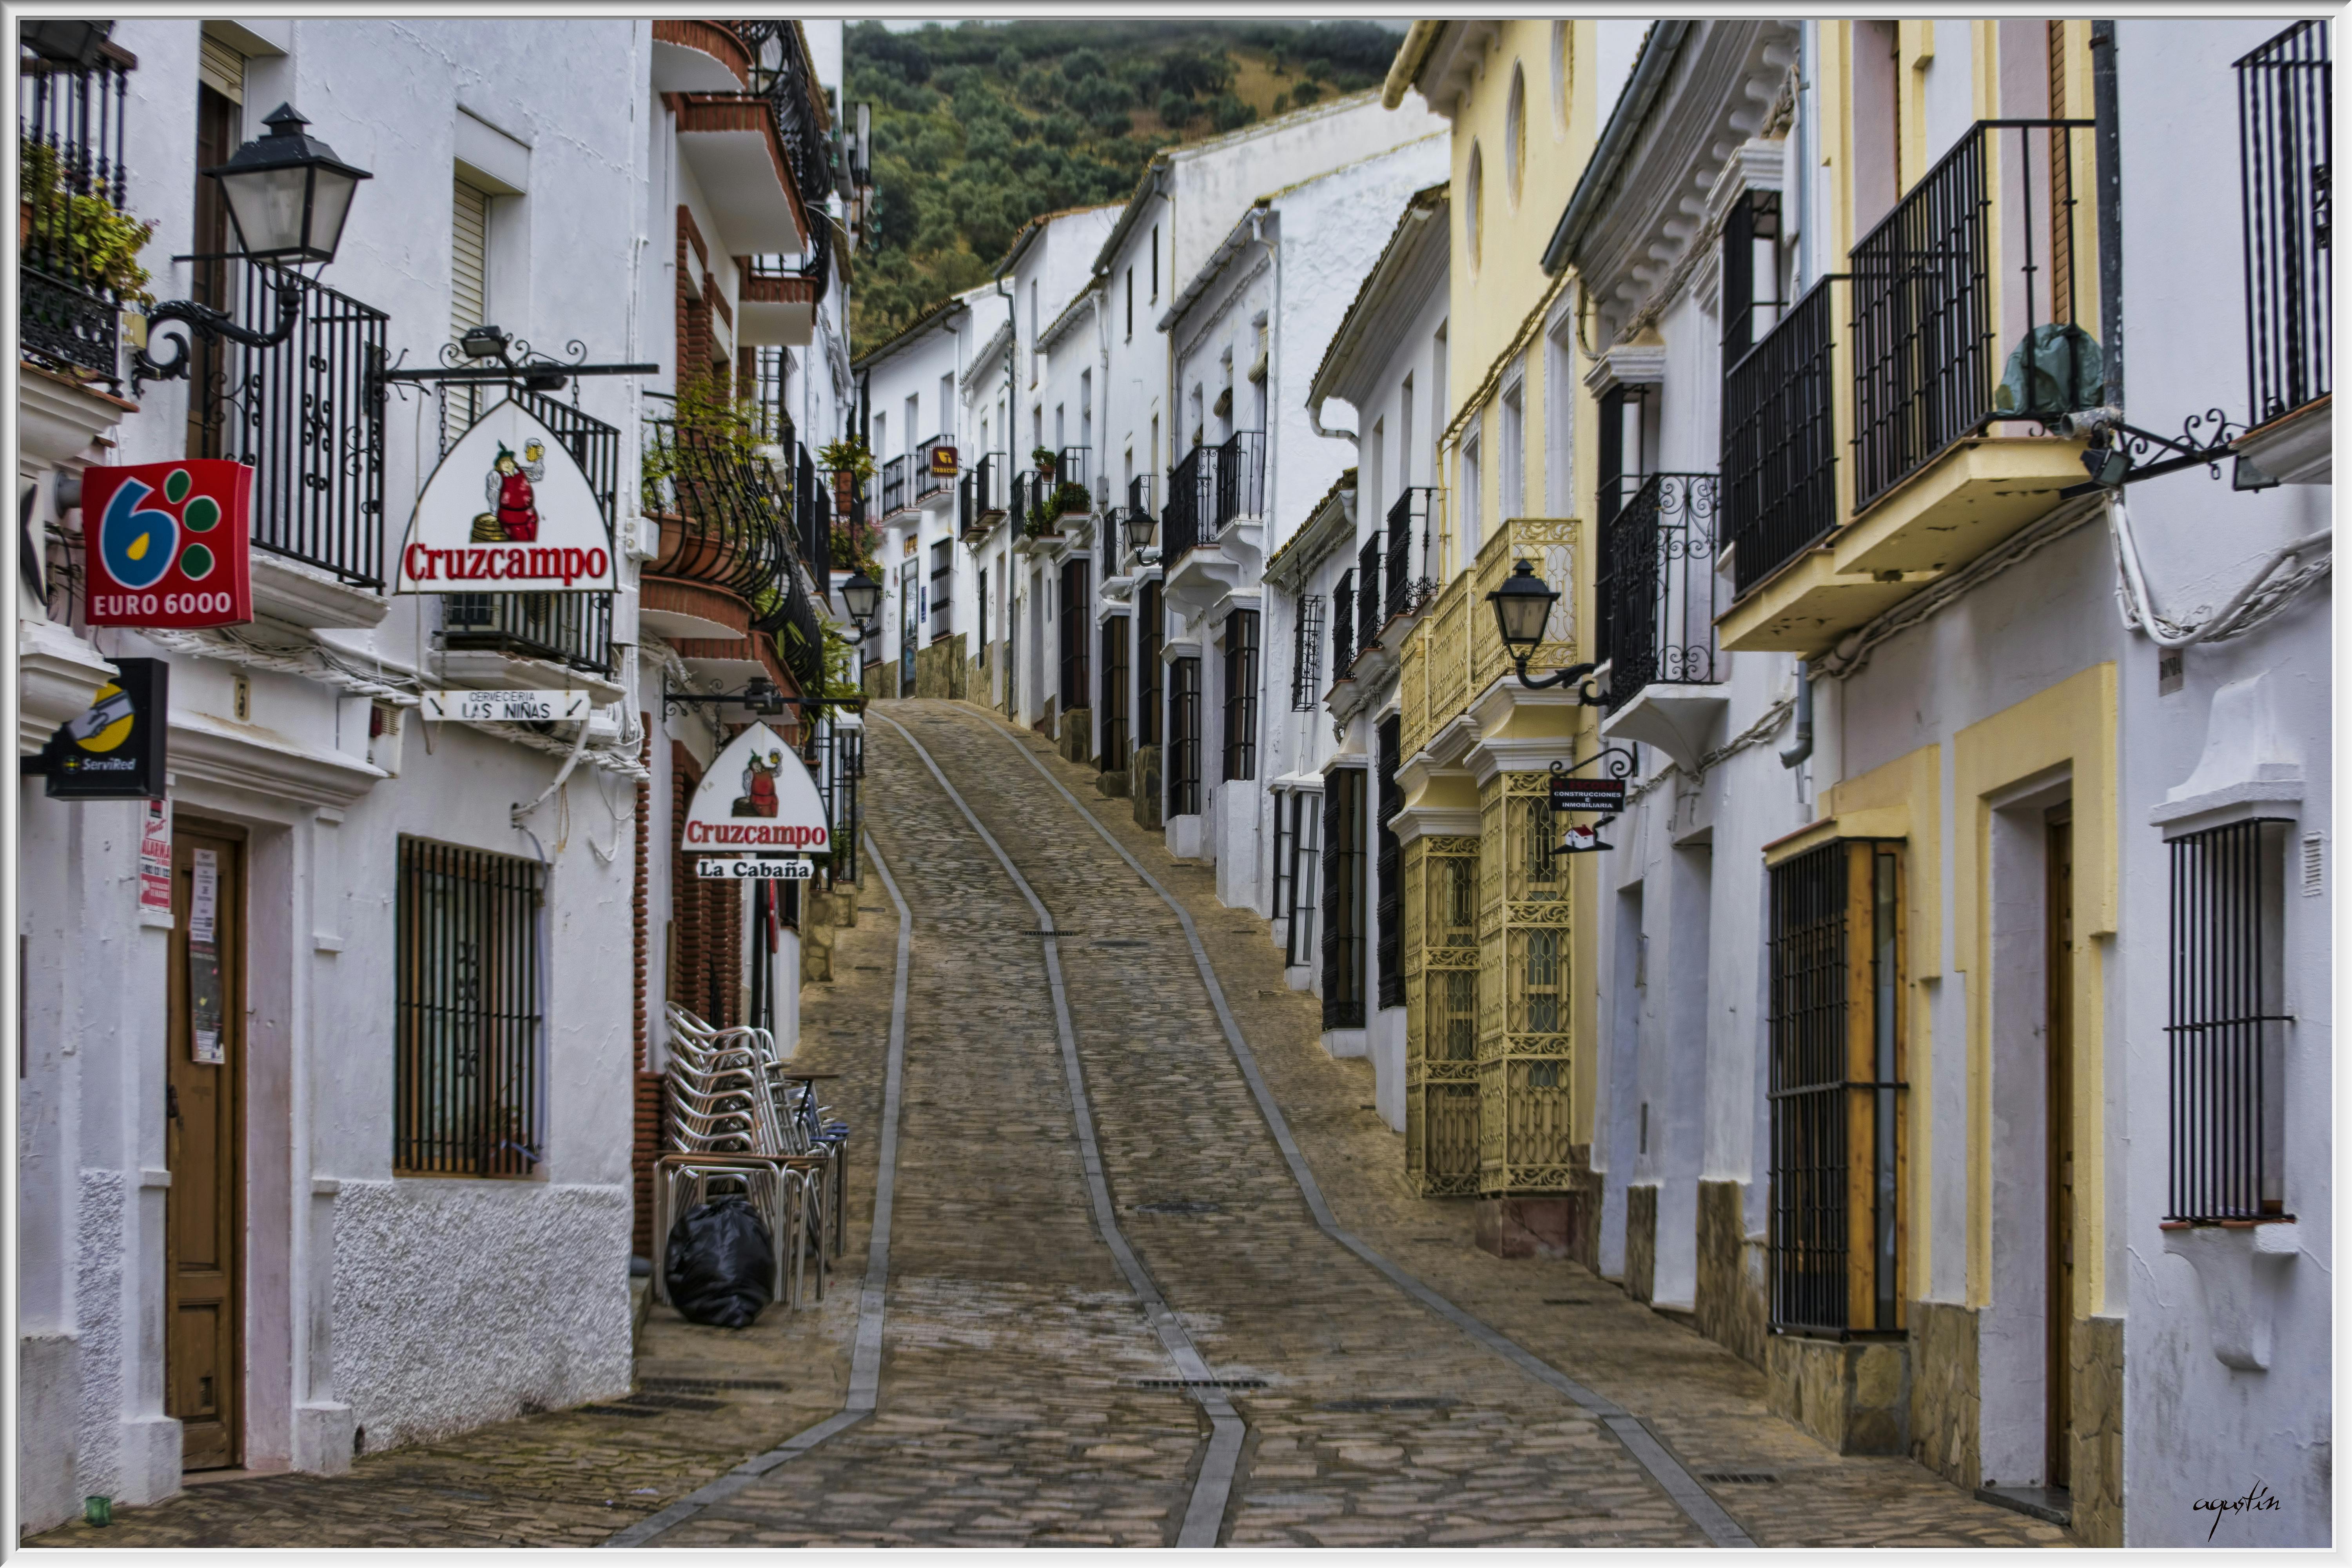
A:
[2283,574]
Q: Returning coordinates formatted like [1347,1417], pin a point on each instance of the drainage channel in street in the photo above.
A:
[1639,1441]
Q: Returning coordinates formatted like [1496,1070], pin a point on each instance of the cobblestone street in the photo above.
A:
[1024,1396]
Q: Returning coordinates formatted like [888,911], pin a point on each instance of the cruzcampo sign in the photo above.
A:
[508,511]
[757,799]
[168,543]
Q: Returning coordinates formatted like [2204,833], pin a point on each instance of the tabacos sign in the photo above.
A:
[757,798]
[508,511]
[168,543]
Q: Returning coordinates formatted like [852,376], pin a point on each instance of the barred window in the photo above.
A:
[1543,983]
[468,1088]
[1184,737]
[2227,1024]
[1343,900]
[1388,867]
[1835,1029]
[1305,875]
[1306,655]
[1241,694]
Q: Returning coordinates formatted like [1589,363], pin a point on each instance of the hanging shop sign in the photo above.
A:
[757,798]
[508,511]
[943,462]
[156,858]
[745,870]
[170,545]
[1607,795]
[1582,841]
[505,707]
[112,750]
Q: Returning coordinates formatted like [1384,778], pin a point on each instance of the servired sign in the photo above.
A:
[168,543]
[757,798]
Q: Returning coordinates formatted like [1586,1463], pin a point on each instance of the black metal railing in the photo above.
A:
[895,497]
[468,1095]
[2285,138]
[848,767]
[306,414]
[2227,1028]
[1140,518]
[1241,477]
[724,522]
[571,629]
[1388,869]
[800,637]
[1407,523]
[782,75]
[1344,908]
[926,481]
[69,134]
[811,516]
[987,487]
[1658,597]
[1926,342]
[1183,765]
[1343,624]
[1779,444]
[1371,607]
[1070,467]
[1022,498]
[1191,499]
[1306,656]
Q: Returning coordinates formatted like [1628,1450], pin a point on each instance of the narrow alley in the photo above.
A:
[1024,1395]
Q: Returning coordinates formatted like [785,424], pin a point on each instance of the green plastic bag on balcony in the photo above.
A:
[2056,370]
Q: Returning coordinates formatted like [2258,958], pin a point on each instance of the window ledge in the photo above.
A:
[2242,1271]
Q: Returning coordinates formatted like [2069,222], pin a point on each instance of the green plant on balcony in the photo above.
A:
[1046,461]
[85,239]
[709,417]
[1067,499]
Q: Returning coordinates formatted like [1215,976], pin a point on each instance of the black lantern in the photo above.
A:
[286,192]
[483,342]
[1522,609]
[761,696]
[863,595]
[1142,528]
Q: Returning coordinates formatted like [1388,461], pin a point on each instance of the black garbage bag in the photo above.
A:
[721,1263]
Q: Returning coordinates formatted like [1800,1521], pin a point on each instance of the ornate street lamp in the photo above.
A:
[861,596]
[287,195]
[286,192]
[1522,609]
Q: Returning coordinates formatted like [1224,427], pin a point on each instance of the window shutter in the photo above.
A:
[469,266]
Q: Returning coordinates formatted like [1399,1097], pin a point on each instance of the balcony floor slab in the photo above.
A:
[1677,719]
[1961,505]
[1809,605]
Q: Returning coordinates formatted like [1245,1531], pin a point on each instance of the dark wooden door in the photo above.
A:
[204,1228]
[2061,1162]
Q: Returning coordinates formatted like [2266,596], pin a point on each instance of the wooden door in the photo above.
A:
[204,1228]
[2060,1166]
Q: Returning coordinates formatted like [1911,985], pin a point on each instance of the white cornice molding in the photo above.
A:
[1434,821]
[260,761]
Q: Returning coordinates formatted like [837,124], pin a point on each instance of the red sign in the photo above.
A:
[167,544]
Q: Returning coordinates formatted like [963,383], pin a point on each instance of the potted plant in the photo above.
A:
[84,238]
[1045,461]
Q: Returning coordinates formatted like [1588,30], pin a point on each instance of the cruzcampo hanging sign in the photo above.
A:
[757,799]
[508,511]
[168,543]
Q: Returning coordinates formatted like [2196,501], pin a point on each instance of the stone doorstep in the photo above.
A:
[2054,1504]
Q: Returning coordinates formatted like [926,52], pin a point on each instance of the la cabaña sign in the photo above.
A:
[757,798]
[508,506]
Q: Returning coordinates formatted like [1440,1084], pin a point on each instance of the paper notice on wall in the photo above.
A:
[156,858]
[205,1007]
[205,901]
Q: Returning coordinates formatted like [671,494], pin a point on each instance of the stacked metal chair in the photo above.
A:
[736,1123]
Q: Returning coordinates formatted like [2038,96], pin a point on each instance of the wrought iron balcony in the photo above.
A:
[1240,477]
[1944,281]
[784,76]
[1407,525]
[572,630]
[1370,606]
[1343,624]
[1779,449]
[69,128]
[1192,501]
[989,485]
[800,636]
[724,520]
[811,516]
[895,496]
[306,414]
[925,482]
[1658,588]
[2283,127]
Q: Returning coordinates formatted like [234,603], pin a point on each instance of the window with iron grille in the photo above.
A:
[1149,692]
[1389,954]
[1113,702]
[1306,877]
[1241,694]
[2285,135]
[1835,1029]
[467,1090]
[1184,737]
[2227,1023]
[942,587]
[1286,836]
[1343,900]
[1306,655]
[1077,680]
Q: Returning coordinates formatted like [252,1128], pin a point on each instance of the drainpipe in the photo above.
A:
[2109,135]
[1801,745]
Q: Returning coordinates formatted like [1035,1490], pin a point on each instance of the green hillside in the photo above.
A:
[978,128]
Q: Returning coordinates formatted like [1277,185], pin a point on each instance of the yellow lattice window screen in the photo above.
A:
[1441,968]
